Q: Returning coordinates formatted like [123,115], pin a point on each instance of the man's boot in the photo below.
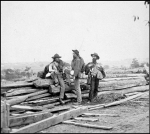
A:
[61,101]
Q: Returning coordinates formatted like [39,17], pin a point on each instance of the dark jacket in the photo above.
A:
[91,65]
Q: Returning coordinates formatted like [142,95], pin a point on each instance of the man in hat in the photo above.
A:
[95,73]
[77,65]
[55,71]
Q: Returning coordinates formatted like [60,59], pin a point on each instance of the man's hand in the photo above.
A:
[48,74]
[72,72]
[56,72]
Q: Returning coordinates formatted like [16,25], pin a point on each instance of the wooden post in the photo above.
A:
[5,117]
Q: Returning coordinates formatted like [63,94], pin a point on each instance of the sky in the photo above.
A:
[34,31]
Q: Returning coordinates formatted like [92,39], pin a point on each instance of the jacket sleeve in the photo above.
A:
[77,68]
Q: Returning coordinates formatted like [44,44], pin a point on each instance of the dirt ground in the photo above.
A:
[133,117]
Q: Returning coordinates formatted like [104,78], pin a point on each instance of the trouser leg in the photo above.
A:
[54,77]
[92,87]
[96,87]
[78,90]
[62,87]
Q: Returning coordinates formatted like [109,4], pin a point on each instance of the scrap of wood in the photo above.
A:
[85,119]
[87,125]
[27,119]
[38,126]
[96,114]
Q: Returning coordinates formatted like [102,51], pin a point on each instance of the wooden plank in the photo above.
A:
[87,125]
[61,108]
[128,90]
[46,106]
[38,96]
[118,102]
[128,94]
[5,118]
[32,113]
[43,83]
[43,102]
[27,119]
[21,91]
[71,95]
[123,100]
[55,90]
[121,78]
[20,99]
[86,119]
[37,93]
[96,108]
[32,79]
[17,85]
[20,107]
[38,126]
[17,100]
[16,89]
[96,114]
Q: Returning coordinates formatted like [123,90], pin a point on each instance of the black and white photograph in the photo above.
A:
[75,66]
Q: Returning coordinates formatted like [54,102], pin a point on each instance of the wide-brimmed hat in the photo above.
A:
[56,56]
[76,52]
[95,55]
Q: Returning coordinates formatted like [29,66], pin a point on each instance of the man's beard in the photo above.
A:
[94,60]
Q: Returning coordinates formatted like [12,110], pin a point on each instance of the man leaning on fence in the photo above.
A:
[77,65]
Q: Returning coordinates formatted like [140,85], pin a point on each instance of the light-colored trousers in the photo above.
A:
[78,90]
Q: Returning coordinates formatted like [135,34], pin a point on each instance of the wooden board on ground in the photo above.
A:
[86,119]
[27,119]
[38,126]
